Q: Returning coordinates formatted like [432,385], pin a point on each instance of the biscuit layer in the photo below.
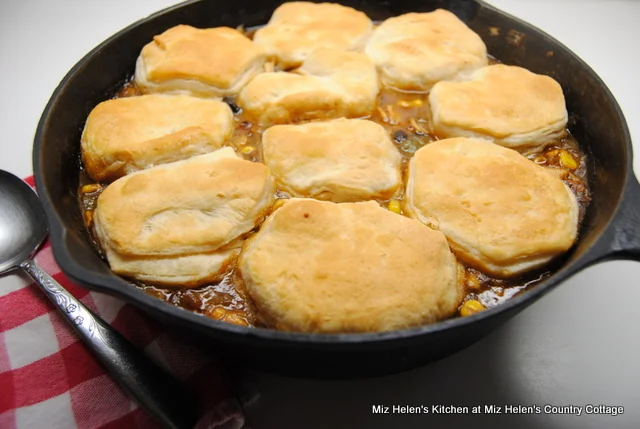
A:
[317,266]
[182,222]
[416,50]
[298,28]
[509,105]
[330,84]
[210,62]
[502,213]
[339,160]
[124,135]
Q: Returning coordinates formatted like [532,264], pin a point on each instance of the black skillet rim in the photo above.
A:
[116,286]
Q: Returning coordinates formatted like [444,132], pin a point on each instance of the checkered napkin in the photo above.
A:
[48,378]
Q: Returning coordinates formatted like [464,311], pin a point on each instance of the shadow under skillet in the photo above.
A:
[348,404]
[531,360]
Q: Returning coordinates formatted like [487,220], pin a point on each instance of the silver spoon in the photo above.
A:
[23,226]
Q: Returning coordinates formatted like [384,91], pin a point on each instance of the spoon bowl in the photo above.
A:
[23,224]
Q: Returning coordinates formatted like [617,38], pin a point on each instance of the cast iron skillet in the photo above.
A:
[611,229]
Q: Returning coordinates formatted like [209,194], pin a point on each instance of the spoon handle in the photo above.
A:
[152,388]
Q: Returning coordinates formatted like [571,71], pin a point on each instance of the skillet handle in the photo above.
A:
[625,239]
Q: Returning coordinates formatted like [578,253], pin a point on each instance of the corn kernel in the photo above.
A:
[404,103]
[567,161]
[418,102]
[394,206]
[470,307]
[235,319]
[279,203]
[92,187]
[247,150]
[88,217]
[218,313]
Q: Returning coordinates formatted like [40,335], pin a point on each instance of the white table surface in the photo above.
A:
[579,345]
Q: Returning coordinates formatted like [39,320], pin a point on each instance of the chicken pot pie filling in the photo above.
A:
[336,128]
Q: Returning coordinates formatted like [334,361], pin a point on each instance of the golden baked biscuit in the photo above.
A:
[339,160]
[509,105]
[298,28]
[330,84]
[502,213]
[317,266]
[134,133]
[416,50]
[178,216]
[210,62]
[190,270]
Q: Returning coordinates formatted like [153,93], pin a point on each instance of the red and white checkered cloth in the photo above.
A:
[48,378]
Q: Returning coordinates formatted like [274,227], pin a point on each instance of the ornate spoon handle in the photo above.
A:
[152,388]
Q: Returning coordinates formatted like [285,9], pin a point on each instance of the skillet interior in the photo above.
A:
[595,121]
